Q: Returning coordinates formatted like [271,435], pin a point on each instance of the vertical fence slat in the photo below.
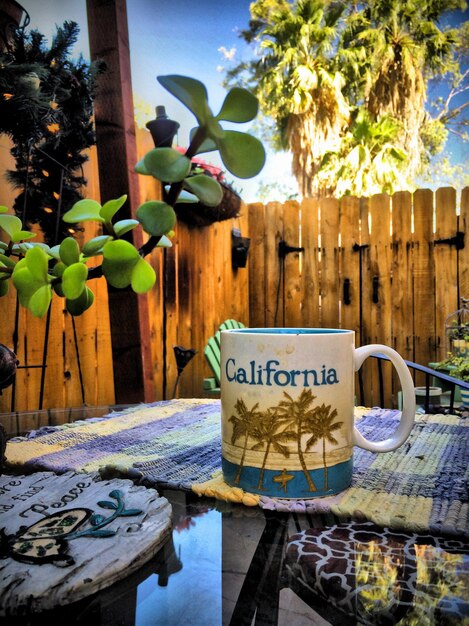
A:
[310,315]
[202,299]
[175,312]
[9,396]
[32,337]
[380,258]
[329,263]
[463,254]
[273,267]
[446,264]
[401,300]
[196,285]
[256,264]
[72,387]
[239,303]
[366,298]
[57,375]
[292,282]
[86,338]
[424,280]
[7,328]
[350,265]
[104,370]
[401,292]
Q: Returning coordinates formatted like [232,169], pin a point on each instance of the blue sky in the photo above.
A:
[181,37]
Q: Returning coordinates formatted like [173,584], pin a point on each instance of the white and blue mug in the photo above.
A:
[287,404]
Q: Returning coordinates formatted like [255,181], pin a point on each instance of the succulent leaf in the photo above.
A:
[111,207]
[69,251]
[40,300]
[120,257]
[141,169]
[95,245]
[167,165]
[10,224]
[191,92]
[80,304]
[83,210]
[22,235]
[156,217]
[205,188]
[74,280]
[7,261]
[143,277]
[37,263]
[164,242]
[124,226]
[242,154]
[239,106]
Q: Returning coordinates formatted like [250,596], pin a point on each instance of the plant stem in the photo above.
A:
[173,194]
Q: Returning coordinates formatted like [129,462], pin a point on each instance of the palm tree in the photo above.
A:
[319,63]
[270,432]
[404,47]
[323,428]
[300,416]
[297,82]
[243,424]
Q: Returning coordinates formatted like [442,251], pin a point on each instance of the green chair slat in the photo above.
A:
[212,352]
[210,385]
[230,325]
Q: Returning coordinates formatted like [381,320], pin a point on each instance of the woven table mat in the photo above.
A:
[422,486]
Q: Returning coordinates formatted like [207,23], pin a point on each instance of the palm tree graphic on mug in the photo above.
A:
[270,432]
[291,420]
[323,429]
[243,424]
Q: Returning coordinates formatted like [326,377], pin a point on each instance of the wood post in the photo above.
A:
[117,156]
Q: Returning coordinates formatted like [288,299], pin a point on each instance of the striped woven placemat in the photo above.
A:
[422,486]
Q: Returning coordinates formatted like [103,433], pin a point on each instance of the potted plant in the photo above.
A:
[39,271]
[457,367]
[457,330]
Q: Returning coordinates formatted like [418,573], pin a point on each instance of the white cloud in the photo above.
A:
[227,54]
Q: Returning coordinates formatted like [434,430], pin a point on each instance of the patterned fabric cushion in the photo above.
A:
[376,575]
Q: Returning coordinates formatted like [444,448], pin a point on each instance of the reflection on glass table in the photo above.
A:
[235,565]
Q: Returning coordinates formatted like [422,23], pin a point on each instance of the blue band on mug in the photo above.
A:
[289,483]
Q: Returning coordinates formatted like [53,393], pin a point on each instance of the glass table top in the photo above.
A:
[230,564]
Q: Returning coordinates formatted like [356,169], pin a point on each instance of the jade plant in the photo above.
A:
[455,366]
[38,271]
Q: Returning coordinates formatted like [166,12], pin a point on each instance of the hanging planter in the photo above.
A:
[199,214]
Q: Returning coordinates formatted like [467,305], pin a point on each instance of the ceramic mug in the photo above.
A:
[287,404]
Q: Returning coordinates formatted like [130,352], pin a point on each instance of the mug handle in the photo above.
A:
[408,400]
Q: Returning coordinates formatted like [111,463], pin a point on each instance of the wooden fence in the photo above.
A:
[391,269]
[196,290]
[76,351]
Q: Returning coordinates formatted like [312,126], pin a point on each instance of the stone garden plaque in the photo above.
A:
[64,537]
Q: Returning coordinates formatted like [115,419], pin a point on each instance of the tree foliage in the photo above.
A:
[46,108]
[325,70]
